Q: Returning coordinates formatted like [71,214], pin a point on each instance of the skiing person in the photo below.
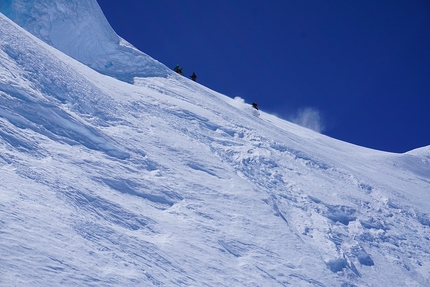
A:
[193,77]
[255,105]
[178,70]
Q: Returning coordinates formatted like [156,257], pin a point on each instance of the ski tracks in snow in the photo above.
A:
[166,182]
[351,239]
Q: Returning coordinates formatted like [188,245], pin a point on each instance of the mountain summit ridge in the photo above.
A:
[79,29]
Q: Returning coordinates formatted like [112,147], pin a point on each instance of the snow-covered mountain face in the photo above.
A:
[168,183]
[79,29]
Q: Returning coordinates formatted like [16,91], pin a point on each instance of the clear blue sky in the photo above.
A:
[364,65]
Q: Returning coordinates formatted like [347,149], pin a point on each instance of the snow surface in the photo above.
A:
[79,29]
[165,182]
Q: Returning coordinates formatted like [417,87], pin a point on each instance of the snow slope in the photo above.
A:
[80,30]
[167,183]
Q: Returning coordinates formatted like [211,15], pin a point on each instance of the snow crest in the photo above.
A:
[79,29]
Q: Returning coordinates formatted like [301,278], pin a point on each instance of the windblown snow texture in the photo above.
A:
[164,182]
[80,30]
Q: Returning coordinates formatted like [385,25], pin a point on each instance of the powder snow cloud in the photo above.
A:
[309,118]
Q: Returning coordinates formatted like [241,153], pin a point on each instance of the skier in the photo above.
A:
[193,77]
[178,70]
[255,105]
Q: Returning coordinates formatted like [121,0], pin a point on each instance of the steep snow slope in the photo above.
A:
[79,29]
[166,182]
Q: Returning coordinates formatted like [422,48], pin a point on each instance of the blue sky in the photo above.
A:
[363,67]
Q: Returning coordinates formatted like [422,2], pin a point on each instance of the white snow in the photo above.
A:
[165,182]
[80,30]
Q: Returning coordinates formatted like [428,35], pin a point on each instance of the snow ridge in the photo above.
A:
[79,29]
